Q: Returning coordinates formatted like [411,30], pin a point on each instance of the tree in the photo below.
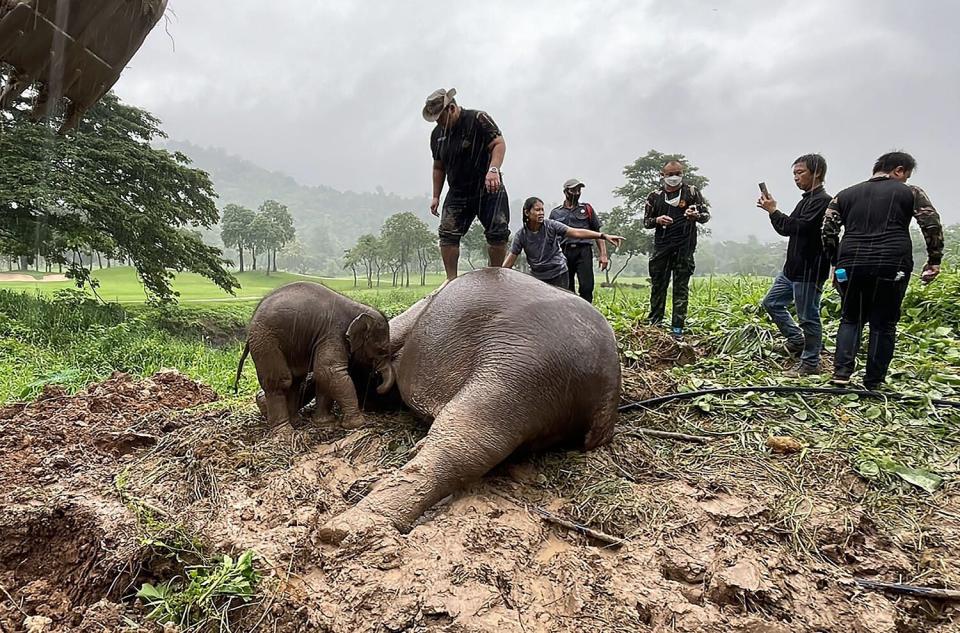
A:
[621,221]
[267,236]
[106,185]
[368,252]
[351,259]
[284,230]
[401,235]
[235,228]
[643,176]
[474,243]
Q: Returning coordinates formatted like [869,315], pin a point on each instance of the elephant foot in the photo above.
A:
[353,421]
[322,418]
[356,523]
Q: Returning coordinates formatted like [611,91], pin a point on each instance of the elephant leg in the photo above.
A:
[322,413]
[470,436]
[334,382]
[275,380]
[293,399]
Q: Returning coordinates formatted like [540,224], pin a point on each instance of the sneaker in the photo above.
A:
[840,380]
[677,333]
[873,386]
[802,370]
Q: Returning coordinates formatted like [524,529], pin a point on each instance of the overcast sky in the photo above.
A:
[331,92]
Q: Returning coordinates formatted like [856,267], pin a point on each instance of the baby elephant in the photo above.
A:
[305,327]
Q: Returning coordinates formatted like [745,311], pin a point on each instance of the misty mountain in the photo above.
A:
[327,221]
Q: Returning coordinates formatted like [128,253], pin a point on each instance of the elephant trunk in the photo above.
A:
[386,373]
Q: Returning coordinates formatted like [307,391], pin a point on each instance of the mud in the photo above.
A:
[87,476]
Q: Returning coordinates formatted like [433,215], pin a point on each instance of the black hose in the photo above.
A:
[656,402]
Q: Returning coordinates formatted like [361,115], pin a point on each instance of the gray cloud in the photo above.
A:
[331,92]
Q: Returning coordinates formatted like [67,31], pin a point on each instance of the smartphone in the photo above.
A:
[763,190]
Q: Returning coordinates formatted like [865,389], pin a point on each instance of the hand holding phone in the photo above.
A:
[763,190]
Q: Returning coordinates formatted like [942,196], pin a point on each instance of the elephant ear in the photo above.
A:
[359,332]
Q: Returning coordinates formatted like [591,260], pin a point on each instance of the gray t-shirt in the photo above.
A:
[542,248]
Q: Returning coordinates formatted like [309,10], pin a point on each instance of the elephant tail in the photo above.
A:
[243,357]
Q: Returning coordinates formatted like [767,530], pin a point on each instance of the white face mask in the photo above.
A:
[673,181]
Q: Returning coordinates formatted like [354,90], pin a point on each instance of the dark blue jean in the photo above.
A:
[805,295]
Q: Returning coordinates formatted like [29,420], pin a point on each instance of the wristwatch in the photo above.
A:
[495,170]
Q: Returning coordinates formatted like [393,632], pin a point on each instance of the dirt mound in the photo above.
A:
[66,539]
[712,541]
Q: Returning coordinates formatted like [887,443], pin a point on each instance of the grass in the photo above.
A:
[121,285]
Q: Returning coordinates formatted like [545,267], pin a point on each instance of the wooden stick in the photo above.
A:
[668,435]
[600,536]
[910,590]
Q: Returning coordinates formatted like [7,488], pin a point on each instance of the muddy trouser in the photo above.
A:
[664,264]
[875,300]
[580,268]
[459,211]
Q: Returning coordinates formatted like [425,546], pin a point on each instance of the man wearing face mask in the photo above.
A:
[673,211]
[579,251]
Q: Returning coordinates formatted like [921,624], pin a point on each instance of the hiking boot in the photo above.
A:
[873,386]
[794,349]
[840,380]
[677,333]
[801,370]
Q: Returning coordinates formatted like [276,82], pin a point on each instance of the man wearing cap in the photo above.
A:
[579,251]
[468,151]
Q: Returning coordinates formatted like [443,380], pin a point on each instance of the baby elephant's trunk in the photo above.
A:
[386,373]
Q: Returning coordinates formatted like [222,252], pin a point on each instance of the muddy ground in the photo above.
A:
[101,488]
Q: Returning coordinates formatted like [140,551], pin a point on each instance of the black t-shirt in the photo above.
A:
[806,261]
[463,150]
[682,234]
[876,217]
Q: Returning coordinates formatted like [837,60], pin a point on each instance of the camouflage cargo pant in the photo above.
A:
[665,263]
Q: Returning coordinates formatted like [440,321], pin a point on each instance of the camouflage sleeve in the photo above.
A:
[830,232]
[490,129]
[649,215]
[929,221]
[703,210]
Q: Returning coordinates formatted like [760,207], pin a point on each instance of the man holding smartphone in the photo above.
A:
[806,268]
[876,256]
[674,211]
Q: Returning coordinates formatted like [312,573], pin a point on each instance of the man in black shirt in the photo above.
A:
[579,251]
[468,150]
[875,258]
[806,267]
[674,211]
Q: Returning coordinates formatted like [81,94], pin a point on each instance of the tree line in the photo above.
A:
[405,242]
[263,232]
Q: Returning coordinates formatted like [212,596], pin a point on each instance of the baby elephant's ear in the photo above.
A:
[359,332]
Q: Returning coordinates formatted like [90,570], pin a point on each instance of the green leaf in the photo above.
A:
[920,478]
[873,413]
[868,469]
[800,415]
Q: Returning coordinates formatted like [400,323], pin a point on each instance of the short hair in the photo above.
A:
[528,205]
[816,163]
[891,160]
[670,162]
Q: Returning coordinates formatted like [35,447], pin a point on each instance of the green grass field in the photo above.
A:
[121,285]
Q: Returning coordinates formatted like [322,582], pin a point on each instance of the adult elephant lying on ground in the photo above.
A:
[499,361]
[303,327]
